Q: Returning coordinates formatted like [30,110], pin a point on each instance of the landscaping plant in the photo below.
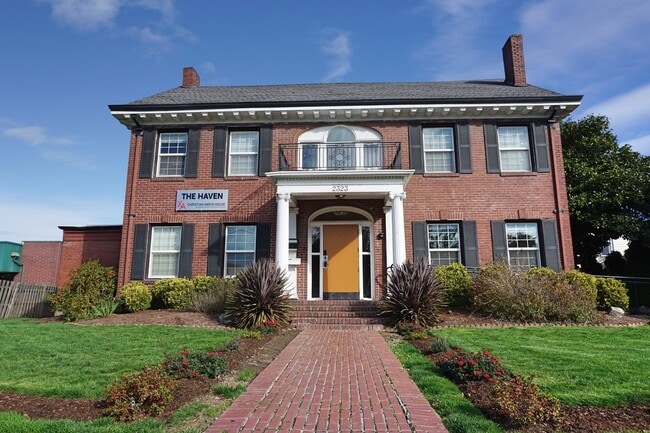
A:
[211,294]
[461,366]
[260,296]
[135,296]
[172,293]
[612,293]
[412,295]
[454,281]
[583,281]
[87,286]
[191,364]
[140,395]
[522,402]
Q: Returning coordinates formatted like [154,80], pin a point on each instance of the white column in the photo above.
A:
[388,236]
[399,242]
[282,232]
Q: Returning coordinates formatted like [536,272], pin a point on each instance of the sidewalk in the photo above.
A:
[329,380]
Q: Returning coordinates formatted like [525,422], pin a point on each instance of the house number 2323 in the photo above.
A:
[339,188]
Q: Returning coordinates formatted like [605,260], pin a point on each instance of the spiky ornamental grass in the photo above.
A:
[412,295]
[259,296]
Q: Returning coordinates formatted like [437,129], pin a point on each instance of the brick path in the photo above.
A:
[329,380]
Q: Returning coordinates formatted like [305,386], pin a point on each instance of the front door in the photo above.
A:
[341,261]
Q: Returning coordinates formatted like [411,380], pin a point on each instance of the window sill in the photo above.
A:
[440,174]
[168,179]
[241,178]
[518,173]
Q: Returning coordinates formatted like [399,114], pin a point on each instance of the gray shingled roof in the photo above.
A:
[338,93]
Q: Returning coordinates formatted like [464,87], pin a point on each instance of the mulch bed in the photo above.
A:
[575,419]
[252,355]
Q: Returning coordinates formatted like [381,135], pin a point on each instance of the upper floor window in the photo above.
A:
[523,245]
[514,148]
[172,151]
[164,253]
[438,146]
[340,147]
[243,152]
[444,244]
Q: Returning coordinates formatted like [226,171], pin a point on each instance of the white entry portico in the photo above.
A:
[348,185]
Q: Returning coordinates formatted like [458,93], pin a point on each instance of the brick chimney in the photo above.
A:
[191,77]
[513,61]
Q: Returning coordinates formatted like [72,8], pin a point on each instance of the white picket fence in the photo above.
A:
[24,300]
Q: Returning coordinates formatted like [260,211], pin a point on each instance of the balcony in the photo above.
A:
[340,156]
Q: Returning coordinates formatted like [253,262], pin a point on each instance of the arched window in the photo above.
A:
[340,147]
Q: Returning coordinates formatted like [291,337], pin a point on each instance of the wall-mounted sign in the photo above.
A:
[201,199]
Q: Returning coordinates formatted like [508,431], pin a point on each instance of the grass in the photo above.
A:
[11,422]
[64,360]
[457,413]
[578,365]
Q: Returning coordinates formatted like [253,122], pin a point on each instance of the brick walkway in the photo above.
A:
[330,380]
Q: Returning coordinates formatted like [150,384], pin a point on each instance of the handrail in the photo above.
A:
[340,156]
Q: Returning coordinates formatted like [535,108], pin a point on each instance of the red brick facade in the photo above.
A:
[475,195]
[41,261]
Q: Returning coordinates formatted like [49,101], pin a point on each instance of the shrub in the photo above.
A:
[454,281]
[104,308]
[259,296]
[191,364]
[211,294]
[412,295]
[541,272]
[612,293]
[537,296]
[583,281]
[140,395]
[87,286]
[521,401]
[172,293]
[253,334]
[135,296]
[460,366]
[440,345]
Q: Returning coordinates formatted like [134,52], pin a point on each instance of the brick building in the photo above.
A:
[337,182]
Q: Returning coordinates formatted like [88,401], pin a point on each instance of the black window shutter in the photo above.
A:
[499,246]
[148,152]
[470,244]
[139,251]
[464,148]
[266,149]
[415,148]
[420,240]
[542,161]
[551,250]
[263,241]
[187,251]
[215,250]
[193,148]
[491,148]
[219,152]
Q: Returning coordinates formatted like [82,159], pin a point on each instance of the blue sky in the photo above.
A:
[64,157]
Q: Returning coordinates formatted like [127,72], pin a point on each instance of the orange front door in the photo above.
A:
[341,276]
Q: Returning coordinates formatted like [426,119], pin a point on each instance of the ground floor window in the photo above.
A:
[444,243]
[240,248]
[165,251]
[523,245]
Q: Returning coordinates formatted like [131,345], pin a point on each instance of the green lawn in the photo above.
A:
[578,365]
[65,360]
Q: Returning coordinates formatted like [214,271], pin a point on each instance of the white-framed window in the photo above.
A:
[165,251]
[438,145]
[243,151]
[514,148]
[340,147]
[444,243]
[240,248]
[172,150]
[523,245]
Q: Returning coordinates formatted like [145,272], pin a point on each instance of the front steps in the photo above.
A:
[336,314]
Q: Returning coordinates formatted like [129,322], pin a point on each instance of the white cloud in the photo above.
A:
[336,45]
[35,135]
[626,110]
[640,144]
[58,149]
[39,220]
[455,47]
[86,14]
